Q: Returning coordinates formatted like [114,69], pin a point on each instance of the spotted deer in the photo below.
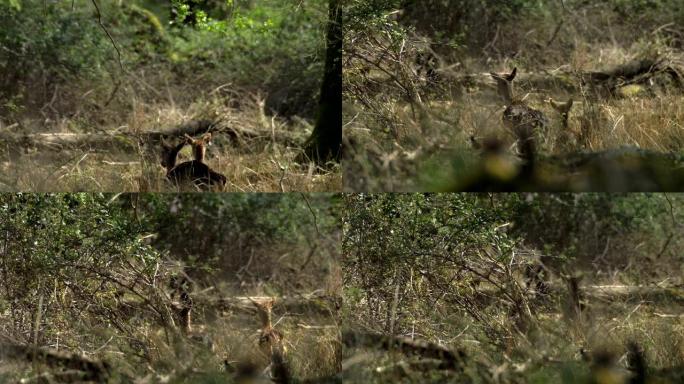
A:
[519,118]
[181,287]
[271,342]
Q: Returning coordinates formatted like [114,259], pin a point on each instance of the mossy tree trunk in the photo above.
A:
[326,139]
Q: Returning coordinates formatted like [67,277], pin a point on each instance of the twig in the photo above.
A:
[315,219]
[671,235]
[39,313]
[555,34]
[118,53]
[99,20]
[282,177]
[308,257]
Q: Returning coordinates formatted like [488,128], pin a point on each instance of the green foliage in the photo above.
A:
[93,270]
[219,233]
[448,22]
[473,23]
[66,247]
[276,45]
[270,46]
[48,44]
[405,253]
[16,4]
[581,226]
[361,14]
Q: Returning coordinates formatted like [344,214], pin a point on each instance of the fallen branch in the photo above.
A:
[92,369]
[129,140]
[638,71]
[199,127]
[318,304]
[452,360]
[625,292]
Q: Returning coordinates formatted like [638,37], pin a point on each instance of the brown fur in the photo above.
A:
[271,342]
[563,109]
[199,146]
[170,154]
[181,287]
[519,118]
[195,171]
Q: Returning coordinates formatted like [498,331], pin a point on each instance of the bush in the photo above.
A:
[597,229]
[216,233]
[45,45]
[272,46]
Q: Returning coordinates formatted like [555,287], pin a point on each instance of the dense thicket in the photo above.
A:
[269,46]
[95,272]
[513,277]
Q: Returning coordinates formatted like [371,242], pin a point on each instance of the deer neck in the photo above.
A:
[266,320]
[506,91]
[199,152]
[172,156]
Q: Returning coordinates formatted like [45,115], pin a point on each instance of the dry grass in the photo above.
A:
[548,353]
[312,342]
[650,123]
[402,143]
[251,166]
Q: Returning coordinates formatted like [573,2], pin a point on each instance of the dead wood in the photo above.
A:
[452,360]
[638,71]
[92,369]
[129,141]
[199,127]
[614,293]
[656,296]
[311,304]
[629,292]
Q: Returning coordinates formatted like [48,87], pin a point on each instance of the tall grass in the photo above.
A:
[407,130]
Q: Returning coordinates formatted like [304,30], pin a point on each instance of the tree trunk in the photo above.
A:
[326,138]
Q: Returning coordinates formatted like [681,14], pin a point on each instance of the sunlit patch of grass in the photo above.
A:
[257,166]
[550,353]
[439,133]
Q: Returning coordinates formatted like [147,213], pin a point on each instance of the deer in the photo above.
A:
[271,342]
[194,171]
[181,286]
[519,118]
[567,136]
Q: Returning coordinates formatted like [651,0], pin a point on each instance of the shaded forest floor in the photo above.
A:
[230,340]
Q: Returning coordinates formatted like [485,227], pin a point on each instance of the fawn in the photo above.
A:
[271,342]
[518,117]
[195,171]
[181,286]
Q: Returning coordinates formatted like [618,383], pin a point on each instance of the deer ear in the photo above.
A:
[553,103]
[511,76]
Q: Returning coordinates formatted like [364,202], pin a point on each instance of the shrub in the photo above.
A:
[45,45]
